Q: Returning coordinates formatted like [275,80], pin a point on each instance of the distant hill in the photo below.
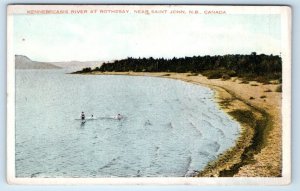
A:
[23,62]
[77,65]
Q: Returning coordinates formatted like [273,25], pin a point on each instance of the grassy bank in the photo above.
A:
[255,125]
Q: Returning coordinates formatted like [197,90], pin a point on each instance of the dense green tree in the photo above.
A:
[252,65]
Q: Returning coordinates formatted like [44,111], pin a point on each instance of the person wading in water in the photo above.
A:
[82,116]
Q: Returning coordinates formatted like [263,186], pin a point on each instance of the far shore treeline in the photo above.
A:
[253,67]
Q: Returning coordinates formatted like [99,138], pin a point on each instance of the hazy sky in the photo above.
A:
[115,36]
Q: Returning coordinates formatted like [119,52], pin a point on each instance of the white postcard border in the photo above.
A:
[285,11]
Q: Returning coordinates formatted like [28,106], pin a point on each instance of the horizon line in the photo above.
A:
[147,57]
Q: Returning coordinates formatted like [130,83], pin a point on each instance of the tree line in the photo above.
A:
[252,65]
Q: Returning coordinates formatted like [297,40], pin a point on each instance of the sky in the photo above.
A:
[104,37]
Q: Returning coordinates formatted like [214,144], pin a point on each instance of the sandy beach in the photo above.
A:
[257,107]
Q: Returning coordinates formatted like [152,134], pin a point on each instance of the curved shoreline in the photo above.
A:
[255,122]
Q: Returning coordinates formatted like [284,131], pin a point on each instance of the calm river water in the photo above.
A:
[170,128]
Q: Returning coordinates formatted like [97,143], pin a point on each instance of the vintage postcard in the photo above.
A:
[148,94]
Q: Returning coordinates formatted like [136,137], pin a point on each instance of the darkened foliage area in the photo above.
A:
[247,66]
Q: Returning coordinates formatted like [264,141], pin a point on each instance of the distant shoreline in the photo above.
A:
[258,115]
